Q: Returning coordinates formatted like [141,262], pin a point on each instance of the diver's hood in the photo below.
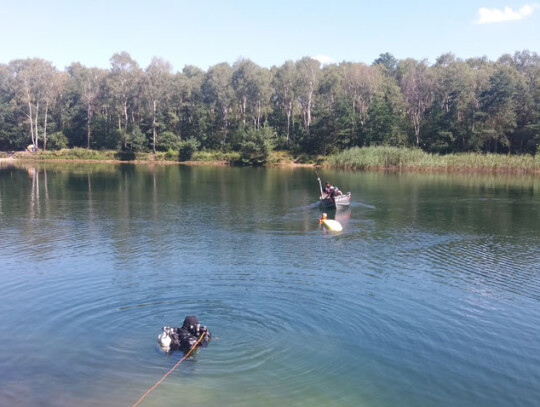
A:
[191,323]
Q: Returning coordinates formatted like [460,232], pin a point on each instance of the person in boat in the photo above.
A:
[184,338]
[328,190]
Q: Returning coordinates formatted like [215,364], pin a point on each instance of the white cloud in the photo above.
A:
[324,59]
[493,15]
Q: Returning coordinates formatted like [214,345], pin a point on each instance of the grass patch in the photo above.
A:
[71,154]
[209,156]
[85,154]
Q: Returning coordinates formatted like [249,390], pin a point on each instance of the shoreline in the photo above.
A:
[292,164]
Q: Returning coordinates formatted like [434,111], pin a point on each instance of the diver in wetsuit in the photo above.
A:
[173,338]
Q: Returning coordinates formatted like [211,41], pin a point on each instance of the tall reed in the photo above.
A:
[382,157]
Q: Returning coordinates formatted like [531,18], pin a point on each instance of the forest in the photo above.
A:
[450,106]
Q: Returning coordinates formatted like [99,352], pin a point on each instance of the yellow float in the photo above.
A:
[331,224]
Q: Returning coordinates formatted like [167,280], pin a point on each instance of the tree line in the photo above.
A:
[450,106]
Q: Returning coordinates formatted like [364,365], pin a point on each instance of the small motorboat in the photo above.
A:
[335,199]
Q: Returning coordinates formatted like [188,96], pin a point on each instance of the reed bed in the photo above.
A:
[415,159]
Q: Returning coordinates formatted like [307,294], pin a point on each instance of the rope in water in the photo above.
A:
[166,374]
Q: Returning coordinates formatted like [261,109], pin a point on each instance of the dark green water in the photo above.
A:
[429,297]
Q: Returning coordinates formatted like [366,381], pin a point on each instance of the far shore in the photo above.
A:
[290,164]
[368,159]
[215,163]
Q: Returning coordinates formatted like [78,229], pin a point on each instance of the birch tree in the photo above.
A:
[35,86]
[252,85]
[285,79]
[55,82]
[308,76]
[158,74]
[122,83]
[218,93]
[417,88]
[362,83]
[89,83]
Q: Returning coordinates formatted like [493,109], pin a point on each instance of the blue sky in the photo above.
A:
[207,32]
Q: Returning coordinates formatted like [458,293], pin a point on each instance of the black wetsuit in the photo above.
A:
[185,337]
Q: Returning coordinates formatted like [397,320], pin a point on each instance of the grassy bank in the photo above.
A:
[83,154]
[371,158]
[71,154]
[417,160]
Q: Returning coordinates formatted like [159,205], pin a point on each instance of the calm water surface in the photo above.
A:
[429,297]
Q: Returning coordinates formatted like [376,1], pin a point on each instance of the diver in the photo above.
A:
[184,338]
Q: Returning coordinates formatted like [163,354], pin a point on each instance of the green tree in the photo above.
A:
[252,86]
[10,137]
[36,85]
[168,141]
[157,77]
[362,85]
[187,148]
[256,145]
[188,105]
[416,83]
[218,94]
[136,140]
[388,61]
[284,81]
[105,135]
[335,124]
[89,83]
[123,85]
[497,116]
[58,141]
[306,84]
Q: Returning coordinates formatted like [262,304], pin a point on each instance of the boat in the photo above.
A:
[335,200]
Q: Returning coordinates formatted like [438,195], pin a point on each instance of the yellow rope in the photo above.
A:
[166,374]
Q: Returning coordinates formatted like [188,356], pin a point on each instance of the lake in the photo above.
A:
[430,296]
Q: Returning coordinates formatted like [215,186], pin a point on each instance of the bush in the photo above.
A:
[136,141]
[105,135]
[167,141]
[57,141]
[171,155]
[188,148]
[256,146]
[213,155]
[125,155]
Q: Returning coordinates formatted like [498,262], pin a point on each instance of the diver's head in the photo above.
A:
[191,323]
